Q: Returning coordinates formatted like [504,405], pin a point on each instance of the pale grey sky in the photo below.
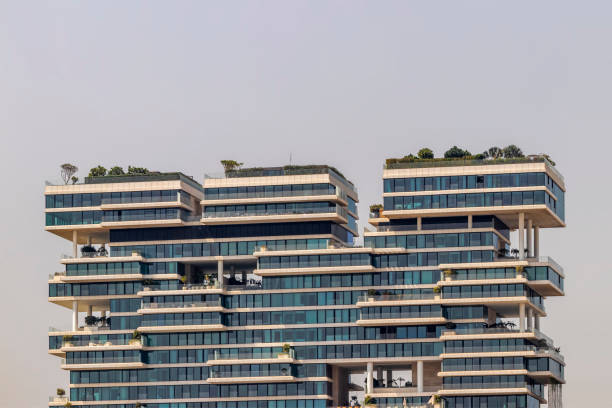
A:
[181,85]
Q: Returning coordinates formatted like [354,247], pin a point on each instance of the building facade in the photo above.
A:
[247,291]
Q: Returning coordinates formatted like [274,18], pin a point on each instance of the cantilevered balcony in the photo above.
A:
[335,213]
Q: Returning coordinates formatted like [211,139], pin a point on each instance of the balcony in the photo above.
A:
[270,357]
[394,300]
[212,305]
[337,214]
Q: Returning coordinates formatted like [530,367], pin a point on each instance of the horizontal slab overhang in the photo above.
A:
[185,309]
[182,328]
[175,222]
[102,259]
[401,321]
[103,366]
[481,372]
[287,199]
[258,219]
[484,336]
[102,347]
[136,206]
[312,271]
[540,214]
[251,361]
[247,380]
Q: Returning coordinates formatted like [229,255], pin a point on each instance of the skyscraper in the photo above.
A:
[247,291]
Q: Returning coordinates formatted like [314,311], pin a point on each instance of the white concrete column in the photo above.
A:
[470,221]
[536,241]
[103,313]
[522,317]
[529,239]
[370,378]
[536,322]
[75,315]
[89,240]
[220,272]
[74,243]
[419,223]
[419,376]
[529,319]
[89,310]
[521,235]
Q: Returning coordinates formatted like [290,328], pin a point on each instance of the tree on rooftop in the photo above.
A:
[116,171]
[97,171]
[549,159]
[512,151]
[456,153]
[67,171]
[137,170]
[230,165]
[425,153]
[494,153]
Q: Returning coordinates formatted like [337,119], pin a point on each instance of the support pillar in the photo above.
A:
[529,239]
[74,243]
[103,313]
[470,221]
[89,240]
[419,223]
[522,317]
[220,272]
[536,241]
[75,315]
[379,376]
[521,235]
[536,322]
[419,376]
[370,379]
[244,277]
[389,378]
[89,310]
[529,319]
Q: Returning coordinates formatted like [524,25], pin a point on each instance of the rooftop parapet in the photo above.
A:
[136,178]
[282,171]
[415,162]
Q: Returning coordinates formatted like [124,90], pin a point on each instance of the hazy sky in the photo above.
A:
[181,85]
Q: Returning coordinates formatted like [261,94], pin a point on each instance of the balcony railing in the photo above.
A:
[249,373]
[341,211]
[180,305]
[383,298]
[182,286]
[220,356]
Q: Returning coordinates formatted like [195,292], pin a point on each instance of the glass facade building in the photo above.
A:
[248,291]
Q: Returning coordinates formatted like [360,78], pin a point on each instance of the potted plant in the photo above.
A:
[67,340]
[375,209]
[369,401]
[285,352]
[136,338]
[519,271]
[437,290]
[436,400]
[371,295]
[68,405]
[61,395]
[91,320]
[88,251]
[448,274]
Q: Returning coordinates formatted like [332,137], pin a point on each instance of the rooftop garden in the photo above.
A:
[233,168]
[117,174]
[456,155]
